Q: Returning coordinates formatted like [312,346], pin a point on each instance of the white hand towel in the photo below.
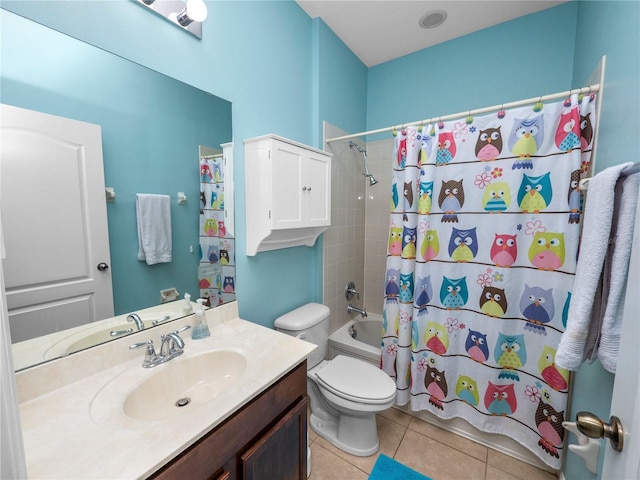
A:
[622,242]
[593,249]
[154,228]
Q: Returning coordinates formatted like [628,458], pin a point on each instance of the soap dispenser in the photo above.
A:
[200,327]
[187,308]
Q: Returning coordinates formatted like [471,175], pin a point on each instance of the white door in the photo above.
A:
[54,218]
[625,403]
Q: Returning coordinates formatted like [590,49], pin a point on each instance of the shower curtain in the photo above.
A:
[482,252]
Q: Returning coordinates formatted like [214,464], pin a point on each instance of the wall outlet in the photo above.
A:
[168,295]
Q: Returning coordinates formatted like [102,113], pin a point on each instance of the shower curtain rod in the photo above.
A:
[545,98]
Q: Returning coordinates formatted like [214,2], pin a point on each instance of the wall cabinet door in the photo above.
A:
[281,452]
[301,187]
[318,182]
[289,179]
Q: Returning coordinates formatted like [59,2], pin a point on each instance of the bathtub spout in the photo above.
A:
[352,309]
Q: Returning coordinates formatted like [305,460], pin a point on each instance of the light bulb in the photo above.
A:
[195,11]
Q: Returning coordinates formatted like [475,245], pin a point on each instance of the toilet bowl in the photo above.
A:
[345,393]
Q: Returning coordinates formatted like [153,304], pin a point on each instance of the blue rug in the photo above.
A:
[387,468]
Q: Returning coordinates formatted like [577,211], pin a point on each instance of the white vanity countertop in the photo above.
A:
[69,435]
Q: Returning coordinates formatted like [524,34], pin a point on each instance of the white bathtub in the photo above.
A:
[365,345]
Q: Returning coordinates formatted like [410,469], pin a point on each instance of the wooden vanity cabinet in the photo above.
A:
[265,440]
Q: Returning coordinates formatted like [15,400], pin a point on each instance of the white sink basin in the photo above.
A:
[169,389]
[193,381]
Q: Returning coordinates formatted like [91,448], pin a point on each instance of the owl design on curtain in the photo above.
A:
[424,198]
[454,293]
[537,306]
[525,139]
[547,250]
[549,424]
[489,144]
[500,399]
[511,354]
[451,199]
[535,193]
[463,244]
[574,197]
[430,247]
[467,390]
[436,384]
[446,148]
[568,131]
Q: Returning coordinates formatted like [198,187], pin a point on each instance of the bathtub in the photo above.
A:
[365,345]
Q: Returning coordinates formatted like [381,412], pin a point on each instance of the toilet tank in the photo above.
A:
[309,322]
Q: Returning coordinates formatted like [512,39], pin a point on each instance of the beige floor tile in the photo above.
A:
[397,416]
[438,461]
[495,474]
[451,439]
[390,435]
[327,466]
[515,467]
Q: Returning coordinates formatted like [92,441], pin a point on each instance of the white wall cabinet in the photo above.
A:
[287,193]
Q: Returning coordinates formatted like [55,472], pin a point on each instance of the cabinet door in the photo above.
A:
[287,161]
[317,177]
[282,452]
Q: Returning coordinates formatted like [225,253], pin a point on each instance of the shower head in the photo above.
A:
[372,179]
[357,147]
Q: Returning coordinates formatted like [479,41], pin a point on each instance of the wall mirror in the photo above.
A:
[159,136]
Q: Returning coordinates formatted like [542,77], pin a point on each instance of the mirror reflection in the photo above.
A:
[157,136]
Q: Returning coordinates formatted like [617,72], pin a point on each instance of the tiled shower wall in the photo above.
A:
[355,245]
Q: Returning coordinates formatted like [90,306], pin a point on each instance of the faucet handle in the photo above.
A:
[186,327]
[142,344]
[150,356]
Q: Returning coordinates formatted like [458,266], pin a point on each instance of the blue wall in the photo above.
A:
[285,73]
[508,62]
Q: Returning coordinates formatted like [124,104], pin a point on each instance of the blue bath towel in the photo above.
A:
[388,469]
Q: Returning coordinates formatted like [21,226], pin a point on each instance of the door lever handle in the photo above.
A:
[593,427]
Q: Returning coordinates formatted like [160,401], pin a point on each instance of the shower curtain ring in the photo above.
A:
[538,106]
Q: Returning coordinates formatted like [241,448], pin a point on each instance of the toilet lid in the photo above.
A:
[352,378]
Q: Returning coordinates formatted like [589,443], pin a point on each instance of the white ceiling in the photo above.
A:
[381,30]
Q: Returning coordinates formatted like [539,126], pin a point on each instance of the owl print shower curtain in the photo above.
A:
[482,251]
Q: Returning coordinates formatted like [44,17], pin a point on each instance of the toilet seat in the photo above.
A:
[357,381]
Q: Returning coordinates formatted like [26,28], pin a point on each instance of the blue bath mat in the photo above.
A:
[388,469]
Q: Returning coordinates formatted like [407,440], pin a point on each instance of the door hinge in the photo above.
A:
[269,213]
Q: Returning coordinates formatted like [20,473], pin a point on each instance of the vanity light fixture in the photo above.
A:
[187,15]
[194,11]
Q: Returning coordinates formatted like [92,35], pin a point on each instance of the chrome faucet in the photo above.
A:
[135,318]
[361,311]
[171,347]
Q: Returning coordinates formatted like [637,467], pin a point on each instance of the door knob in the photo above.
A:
[103,267]
[593,427]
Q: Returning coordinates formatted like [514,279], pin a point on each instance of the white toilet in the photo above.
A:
[345,393]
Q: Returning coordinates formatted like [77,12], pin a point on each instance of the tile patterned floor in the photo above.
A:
[442,455]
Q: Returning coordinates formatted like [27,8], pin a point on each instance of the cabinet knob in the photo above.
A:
[308,189]
[304,189]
